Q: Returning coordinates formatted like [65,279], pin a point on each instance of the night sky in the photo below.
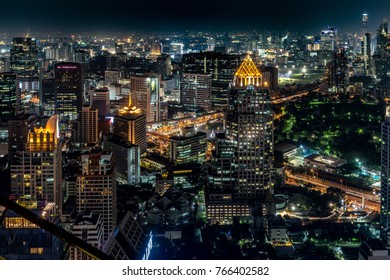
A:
[175,15]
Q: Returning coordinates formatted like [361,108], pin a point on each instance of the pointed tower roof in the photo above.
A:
[248,68]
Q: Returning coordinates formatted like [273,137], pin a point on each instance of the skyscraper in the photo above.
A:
[365,23]
[196,92]
[100,99]
[127,159]
[69,89]
[385,180]
[24,61]
[38,172]
[9,95]
[89,125]
[242,167]
[96,188]
[48,96]
[366,44]
[188,148]
[145,95]
[220,66]
[130,124]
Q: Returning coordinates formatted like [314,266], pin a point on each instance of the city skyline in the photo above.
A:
[172,144]
[180,16]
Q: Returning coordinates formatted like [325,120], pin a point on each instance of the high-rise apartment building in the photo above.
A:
[89,125]
[96,188]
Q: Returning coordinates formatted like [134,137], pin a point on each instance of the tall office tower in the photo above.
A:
[382,52]
[69,89]
[338,76]
[188,148]
[96,188]
[249,138]
[130,124]
[366,44]
[100,99]
[127,159]
[145,95]
[89,125]
[38,172]
[88,227]
[24,61]
[196,92]
[18,128]
[365,23]
[220,66]
[9,95]
[366,52]
[385,180]
[48,96]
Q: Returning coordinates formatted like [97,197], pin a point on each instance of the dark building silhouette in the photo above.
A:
[69,89]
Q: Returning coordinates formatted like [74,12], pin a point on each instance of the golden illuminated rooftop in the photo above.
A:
[248,73]
[248,68]
[44,138]
[130,110]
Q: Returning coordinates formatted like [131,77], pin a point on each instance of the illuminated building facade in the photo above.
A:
[242,164]
[9,95]
[96,188]
[48,96]
[22,240]
[127,159]
[89,125]
[145,95]
[130,124]
[69,89]
[24,61]
[188,148]
[100,99]
[89,228]
[37,172]
[366,45]
[196,92]
[220,66]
